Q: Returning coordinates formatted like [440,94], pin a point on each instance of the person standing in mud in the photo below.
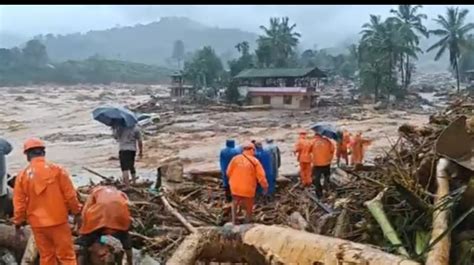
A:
[128,138]
[322,151]
[244,172]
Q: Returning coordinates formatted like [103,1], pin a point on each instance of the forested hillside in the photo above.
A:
[151,44]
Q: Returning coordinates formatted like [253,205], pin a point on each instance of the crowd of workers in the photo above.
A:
[250,170]
[44,195]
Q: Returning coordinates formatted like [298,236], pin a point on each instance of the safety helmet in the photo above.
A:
[32,143]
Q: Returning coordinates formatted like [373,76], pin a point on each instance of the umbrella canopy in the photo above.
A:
[325,129]
[109,115]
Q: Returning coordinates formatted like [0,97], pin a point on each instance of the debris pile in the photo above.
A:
[388,205]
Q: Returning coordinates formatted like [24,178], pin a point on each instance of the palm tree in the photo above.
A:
[453,33]
[409,20]
[383,46]
[280,39]
[243,47]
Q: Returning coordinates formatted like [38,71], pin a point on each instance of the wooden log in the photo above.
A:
[174,212]
[439,254]
[262,244]
[376,209]
[215,173]
[341,224]
[319,203]
[97,174]
[188,251]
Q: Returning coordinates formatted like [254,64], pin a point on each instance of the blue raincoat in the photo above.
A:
[227,153]
[265,158]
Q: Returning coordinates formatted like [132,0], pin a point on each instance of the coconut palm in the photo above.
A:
[281,39]
[410,21]
[453,34]
[383,45]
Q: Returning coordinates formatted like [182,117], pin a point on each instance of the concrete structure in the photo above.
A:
[287,88]
[178,87]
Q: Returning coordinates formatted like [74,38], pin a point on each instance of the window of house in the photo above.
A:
[266,100]
[287,100]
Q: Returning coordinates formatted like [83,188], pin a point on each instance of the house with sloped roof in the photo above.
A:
[288,88]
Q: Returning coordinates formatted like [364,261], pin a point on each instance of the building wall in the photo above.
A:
[297,102]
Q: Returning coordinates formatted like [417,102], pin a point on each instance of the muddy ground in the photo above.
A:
[62,116]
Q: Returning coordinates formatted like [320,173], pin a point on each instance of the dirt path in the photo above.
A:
[62,117]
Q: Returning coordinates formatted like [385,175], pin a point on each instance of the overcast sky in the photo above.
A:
[321,24]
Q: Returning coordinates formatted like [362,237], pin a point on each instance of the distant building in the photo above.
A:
[289,88]
[178,87]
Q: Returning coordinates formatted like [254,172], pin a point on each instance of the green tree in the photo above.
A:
[409,21]
[35,54]
[204,69]
[245,60]
[379,49]
[453,34]
[178,52]
[276,47]
[232,92]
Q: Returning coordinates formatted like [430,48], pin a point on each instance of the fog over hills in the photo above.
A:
[146,33]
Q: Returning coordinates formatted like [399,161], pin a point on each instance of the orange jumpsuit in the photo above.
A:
[106,207]
[303,151]
[244,172]
[342,146]
[358,145]
[43,194]
[322,150]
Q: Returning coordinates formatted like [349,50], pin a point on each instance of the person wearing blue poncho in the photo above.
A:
[226,155]
[265,158]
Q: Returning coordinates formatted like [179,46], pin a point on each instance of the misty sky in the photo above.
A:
[321,24]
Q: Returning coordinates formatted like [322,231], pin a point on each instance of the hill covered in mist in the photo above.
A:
[151,43]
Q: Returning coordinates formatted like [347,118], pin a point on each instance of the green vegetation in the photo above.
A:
[204,69]
[390,44]
[453,34]
[151,43]
[31,65]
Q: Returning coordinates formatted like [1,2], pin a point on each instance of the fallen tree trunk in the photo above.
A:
[188,251]
[439,254]
[261,244]
[174,212]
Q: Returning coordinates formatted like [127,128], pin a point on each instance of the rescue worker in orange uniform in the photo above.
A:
[303,154]
[358,148]
[322,151]
[105,213]
[342,146]
[43,195]
[244,172]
